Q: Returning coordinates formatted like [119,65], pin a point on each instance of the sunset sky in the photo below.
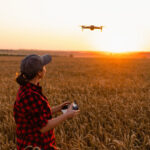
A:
[55,25]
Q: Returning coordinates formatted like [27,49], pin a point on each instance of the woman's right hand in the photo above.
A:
[71,113]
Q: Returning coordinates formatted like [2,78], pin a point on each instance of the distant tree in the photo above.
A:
[71,55]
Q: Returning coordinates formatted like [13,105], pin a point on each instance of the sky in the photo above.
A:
[55,25]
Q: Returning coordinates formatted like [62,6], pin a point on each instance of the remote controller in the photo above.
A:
[74,107]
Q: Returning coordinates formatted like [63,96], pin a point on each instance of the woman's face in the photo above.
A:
[42,73]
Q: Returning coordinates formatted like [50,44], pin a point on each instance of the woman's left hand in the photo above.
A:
[64,104]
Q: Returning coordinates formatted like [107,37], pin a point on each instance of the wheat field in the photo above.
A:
[113,96]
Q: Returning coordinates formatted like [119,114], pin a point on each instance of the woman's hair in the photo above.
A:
[23,78]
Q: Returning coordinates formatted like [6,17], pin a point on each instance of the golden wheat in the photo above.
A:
[113,96]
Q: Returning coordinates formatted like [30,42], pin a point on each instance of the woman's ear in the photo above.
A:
[39,74]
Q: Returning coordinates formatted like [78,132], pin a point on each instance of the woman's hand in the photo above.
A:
[71,113]
[64,104]
[58,108]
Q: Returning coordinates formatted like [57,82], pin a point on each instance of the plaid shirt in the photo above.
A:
[31,113]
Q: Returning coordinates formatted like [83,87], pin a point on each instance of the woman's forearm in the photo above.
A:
[55,109]
[53,123]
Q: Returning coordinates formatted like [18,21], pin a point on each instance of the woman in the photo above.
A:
[32,113]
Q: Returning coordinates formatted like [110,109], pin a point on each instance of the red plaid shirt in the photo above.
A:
[31,113]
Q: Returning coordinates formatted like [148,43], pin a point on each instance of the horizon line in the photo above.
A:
[99,51]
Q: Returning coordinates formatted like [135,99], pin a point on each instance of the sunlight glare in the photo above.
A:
[116,41]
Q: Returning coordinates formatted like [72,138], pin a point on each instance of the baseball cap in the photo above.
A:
[34,63]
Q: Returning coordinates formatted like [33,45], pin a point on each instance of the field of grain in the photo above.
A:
[113,96]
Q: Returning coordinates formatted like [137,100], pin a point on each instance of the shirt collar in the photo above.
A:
[34,87]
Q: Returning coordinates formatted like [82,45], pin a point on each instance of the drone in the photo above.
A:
[92,27]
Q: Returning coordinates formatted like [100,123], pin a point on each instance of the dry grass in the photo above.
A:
[113,96]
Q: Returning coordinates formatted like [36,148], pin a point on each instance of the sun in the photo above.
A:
[115,42]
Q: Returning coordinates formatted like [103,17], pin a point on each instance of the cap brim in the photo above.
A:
[46,59]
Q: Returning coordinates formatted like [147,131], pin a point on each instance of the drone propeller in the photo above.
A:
[82,26]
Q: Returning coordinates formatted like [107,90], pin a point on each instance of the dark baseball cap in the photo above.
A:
[34,63]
